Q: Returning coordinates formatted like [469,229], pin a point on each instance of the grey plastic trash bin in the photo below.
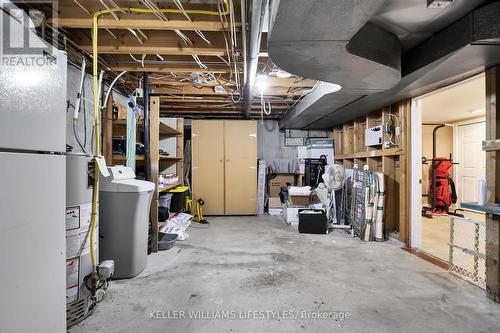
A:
[124,204]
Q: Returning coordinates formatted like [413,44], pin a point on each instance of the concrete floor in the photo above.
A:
[260,264]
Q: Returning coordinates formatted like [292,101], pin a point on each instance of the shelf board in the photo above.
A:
[165,130]
[168,187]
[119,157]
[170,158]
[371,153]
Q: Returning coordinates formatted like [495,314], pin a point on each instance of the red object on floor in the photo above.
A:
[444,192]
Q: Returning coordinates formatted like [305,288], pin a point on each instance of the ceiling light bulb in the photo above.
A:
[283,74]
[262,82]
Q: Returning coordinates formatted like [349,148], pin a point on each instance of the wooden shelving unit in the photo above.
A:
[159,131]
[350,150]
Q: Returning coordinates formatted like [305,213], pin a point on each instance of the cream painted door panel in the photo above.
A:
[471,159]
[240,141]
[208,164]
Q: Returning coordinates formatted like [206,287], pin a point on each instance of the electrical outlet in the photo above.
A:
[387,144]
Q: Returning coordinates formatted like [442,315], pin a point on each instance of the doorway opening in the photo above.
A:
[448,163]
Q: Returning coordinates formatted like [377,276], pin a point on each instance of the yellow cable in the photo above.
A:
[95,63]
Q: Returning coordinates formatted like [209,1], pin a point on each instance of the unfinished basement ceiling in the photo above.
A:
[433,47]
[196,62]
[379,51]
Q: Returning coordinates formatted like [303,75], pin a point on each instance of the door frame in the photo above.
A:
[415,240]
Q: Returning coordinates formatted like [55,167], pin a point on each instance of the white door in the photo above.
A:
[471,159]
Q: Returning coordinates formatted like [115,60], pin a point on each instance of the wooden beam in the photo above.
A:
[218,107]
[162,50]
[190,90]
[165,100]
[493,179]
[154,134]
[157,42]
[273,82]
[169,68]
[143,22]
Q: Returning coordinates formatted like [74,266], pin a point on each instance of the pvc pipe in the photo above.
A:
[80,90]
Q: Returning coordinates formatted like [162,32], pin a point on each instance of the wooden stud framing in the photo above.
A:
[493,178]
[154,135]
[350,149]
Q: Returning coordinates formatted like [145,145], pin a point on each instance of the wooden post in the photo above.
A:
[405,165]
[180,150]
[493,177]
[154,137]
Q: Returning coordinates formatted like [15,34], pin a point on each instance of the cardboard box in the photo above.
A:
[299,200]
[279,181]
[275,203]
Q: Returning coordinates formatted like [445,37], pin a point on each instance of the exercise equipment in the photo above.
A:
[442,192]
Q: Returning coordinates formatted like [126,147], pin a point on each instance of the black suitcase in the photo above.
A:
[313,221]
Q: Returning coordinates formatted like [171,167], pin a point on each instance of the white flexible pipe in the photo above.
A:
[111,88]
[80,90]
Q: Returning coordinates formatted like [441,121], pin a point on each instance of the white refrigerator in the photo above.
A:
[32,188]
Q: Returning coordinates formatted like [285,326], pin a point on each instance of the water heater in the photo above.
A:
[79,182]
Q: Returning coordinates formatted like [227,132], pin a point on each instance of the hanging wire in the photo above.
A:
[136,35]
[156,10]
[181,8]
[82,7]
[109,9]
[203,37]
[185,38]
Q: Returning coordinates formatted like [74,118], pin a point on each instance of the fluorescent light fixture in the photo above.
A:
[283,74]
[438,4]
[262,82]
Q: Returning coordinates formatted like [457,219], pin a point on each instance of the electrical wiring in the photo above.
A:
[394,137]
[264,110]
[156,11]
[198,61]
[82,7]
[136,35]
[199,33]
[184,38]
[109,9]
[111,33]
[181,8]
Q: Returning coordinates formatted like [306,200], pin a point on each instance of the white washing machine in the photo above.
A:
[124,205]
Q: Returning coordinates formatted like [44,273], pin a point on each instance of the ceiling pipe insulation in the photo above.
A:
[346,46]
[338,46]
[258,11]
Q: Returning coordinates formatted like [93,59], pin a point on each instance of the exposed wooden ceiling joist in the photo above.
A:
[169,68]
[153,42]
[142,22]
[189,90]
